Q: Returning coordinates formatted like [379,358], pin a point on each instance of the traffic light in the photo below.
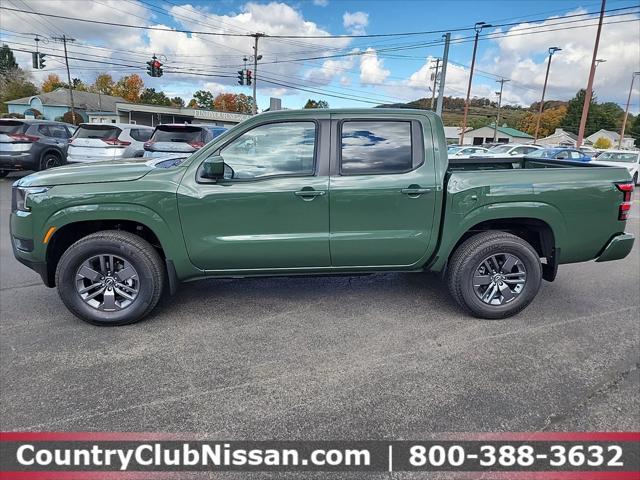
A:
[249,77]
[157,68]
[34,60]
[41,63]
[240,77]
[150,68]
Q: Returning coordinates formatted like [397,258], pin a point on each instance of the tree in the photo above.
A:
[129,88]
[231,102]
[550,119]
[203,99]
[192,103]
[73,119]
[634,129]
[602,143]
[316,104]
[104,84]
[51,82]
[15,83]
[7,60]
[177,102]
[79,85]
[600,116]
[151,97]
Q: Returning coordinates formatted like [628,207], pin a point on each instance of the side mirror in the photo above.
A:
[213,168]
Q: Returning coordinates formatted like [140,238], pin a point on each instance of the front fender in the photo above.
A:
[457,224]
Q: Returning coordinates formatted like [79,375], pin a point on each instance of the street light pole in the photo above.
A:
[478,28]
[435,82]
[495,127]
[592,73]
[626,111]
[443,75]
[256,57]
[552,50]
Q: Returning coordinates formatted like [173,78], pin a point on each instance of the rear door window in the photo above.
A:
[376,147]
[44,130]
[58,131]
[141,134]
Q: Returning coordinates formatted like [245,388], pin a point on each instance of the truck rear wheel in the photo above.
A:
[110,278]
[494,275]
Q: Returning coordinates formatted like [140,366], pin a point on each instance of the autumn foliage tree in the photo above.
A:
[104,84]
[129,87]
[549,120]
[231,102]
[602,143]
[51,82]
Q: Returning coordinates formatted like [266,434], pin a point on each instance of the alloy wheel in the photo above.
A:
[499,279]
[107,282]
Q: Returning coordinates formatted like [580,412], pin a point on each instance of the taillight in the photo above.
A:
[197,144]
[115,142]
[22,137]
[625,206]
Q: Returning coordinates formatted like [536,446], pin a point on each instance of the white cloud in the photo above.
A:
[331,69]
[523,59]
[321,3]
[372,71]
[355,22]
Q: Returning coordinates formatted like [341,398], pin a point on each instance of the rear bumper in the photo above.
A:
[617,248]
[17,161]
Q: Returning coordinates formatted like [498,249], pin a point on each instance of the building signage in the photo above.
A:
[220,116]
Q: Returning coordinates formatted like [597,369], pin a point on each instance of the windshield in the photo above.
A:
[177,134]
[500,149]
[454,149]
[623,157]
[98,131]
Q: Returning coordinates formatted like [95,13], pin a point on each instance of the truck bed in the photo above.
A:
[579,201]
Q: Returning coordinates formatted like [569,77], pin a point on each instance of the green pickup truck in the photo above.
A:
[316,192]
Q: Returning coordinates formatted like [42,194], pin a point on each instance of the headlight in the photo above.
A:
[21,197]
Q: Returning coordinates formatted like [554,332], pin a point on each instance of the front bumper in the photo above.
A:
[617,248]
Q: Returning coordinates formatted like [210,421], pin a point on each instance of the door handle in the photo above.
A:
[309,194]
[415,191]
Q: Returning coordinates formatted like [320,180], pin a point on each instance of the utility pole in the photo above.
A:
[443,75]
[552,50]
[495,127]
[66,59]
[435,81]
[592,73]
[478,28]
[256,57]
[626,111]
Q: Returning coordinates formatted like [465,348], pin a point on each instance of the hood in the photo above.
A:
[117,171]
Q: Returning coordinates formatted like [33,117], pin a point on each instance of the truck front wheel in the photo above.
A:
[494,275]
[110,278]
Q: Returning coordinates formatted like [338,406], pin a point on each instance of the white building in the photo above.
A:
[504,135]
[561,137]
[613,137]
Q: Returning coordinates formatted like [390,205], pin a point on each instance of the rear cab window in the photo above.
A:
[370,147]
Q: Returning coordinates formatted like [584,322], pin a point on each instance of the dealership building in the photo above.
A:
[153,115]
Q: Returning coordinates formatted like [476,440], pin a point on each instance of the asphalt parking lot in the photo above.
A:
[386,356]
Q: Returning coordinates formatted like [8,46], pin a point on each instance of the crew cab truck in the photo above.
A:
[316,192]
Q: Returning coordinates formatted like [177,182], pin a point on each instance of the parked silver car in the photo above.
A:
[509,150]
[180,138]
[99,142]
[465,152]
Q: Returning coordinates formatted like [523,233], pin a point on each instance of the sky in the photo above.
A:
[346,71]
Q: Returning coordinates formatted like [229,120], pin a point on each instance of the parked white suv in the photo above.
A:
[621,158]
[100,142]
[509,150]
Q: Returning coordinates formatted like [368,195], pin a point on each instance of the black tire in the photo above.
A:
[50,160]
[138,252]
[469,256]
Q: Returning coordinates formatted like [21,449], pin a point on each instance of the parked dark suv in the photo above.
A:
[170,139]
[32,144]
